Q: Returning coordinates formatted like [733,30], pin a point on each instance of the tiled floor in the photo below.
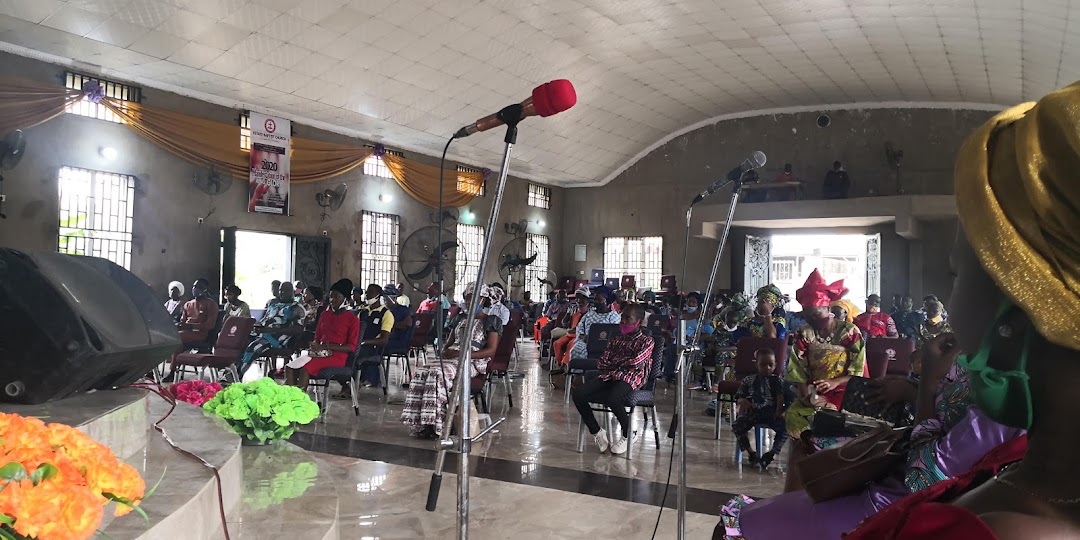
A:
[533,452]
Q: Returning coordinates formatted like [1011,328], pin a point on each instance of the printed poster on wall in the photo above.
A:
[268,184]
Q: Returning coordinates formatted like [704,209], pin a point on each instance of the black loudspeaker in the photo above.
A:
[70,324]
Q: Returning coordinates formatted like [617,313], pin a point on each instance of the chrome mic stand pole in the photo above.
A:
[510,116]
[736,190]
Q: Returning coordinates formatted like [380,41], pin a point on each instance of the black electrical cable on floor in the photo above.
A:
[667,484]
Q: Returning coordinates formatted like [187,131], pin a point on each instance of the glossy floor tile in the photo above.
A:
[537,444]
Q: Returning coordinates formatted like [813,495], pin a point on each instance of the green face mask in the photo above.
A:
[1005,396]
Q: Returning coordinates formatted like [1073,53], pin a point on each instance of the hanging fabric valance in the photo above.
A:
[25,104]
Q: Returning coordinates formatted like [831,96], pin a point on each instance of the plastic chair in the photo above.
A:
[346,376]
[746,364]
[499,365]
[889,356]
[398,347]
[422,323]
[234,337]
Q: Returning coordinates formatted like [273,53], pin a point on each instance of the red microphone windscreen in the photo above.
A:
[553,97]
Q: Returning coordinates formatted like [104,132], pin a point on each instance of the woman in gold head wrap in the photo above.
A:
[1016,315]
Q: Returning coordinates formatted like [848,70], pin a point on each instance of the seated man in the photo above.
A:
[376,323]
[279,325]
[601,313]
[837,183]
[402,318]
[198,318]
[906,319]
[434,301]
[499,307]
[234,306]
[874,322]
[624,367]
[275,286]
[760,400]
[553,315]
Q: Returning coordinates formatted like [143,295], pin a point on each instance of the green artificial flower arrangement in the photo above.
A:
[290,479]
[263,410]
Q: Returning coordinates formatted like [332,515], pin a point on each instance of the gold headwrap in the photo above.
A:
[1018,196]
[849,306]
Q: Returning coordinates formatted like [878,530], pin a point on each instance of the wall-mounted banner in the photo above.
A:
[268,184]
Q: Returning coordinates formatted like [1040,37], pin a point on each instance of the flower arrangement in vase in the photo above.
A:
[196,392]
[55,481]
[263,410]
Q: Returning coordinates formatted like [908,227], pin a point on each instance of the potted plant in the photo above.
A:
[55,481]
[263,411]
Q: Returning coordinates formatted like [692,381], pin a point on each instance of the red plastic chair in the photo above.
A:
[889,356]
[234,337]
[422,323]
[499,365]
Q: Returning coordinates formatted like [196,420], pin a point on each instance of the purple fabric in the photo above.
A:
[969,440]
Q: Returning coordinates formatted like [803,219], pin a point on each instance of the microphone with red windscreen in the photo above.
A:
[547,99]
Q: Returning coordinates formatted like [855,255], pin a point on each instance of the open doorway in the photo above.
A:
[260,259]
[786,260]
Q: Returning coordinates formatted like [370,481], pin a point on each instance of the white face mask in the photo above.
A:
[373,301]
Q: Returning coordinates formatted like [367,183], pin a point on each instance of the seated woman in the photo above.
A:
[563,344]
[234,306]
[336,335]
[279,325]
[1016,264]
[431,386]
[824,355]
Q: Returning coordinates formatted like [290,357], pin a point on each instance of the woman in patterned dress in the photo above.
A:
[431,386]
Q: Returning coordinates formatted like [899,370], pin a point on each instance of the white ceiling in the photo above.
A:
[409,73]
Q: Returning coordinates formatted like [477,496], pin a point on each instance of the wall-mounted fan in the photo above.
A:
[421,256]
[514,257]
[894,158]
[12,149]
[213,183]
[331,199]
[517,229]
[447,218]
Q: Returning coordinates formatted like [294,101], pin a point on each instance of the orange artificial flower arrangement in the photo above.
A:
[55,481]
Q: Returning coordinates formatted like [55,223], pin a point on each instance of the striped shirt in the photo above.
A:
[627,358]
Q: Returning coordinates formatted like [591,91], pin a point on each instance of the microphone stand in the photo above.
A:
[460,397]
[687,352]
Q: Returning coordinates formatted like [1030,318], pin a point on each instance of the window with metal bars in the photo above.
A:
[85,107]
[96,213]
[639,256]
[538,269]
[378,248]
[466,184]
[470,247]
[539,196]
[245,131]
[374,166]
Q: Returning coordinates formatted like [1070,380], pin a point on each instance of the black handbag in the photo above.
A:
[856,402]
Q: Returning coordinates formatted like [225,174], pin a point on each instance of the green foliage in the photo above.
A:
[263,409]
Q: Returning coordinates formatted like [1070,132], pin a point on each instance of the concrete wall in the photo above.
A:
[650,197]
[169,243]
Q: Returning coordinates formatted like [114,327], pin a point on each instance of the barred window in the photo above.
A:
[466,184]
[96,213]
[470,247]
[539,196]
[245,131]
[378,249]
[538,269]
[639,256]
[374,166]
[85,107]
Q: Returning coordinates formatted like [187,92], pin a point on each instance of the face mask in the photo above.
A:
[627,329]
[874,309]
[373,301]
[1005,396]
[691,309]
[935,319]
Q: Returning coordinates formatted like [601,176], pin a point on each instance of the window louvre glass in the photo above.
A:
[468,185]
[96,214]
[470,246]
[378,249]
[245,131]
[85,107]
[639,256]
[374,166]
[538,269]
[539,196]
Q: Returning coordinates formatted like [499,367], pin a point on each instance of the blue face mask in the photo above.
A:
[691,309]
[1005,396]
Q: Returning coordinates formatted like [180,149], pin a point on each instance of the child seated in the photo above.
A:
[761,400]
